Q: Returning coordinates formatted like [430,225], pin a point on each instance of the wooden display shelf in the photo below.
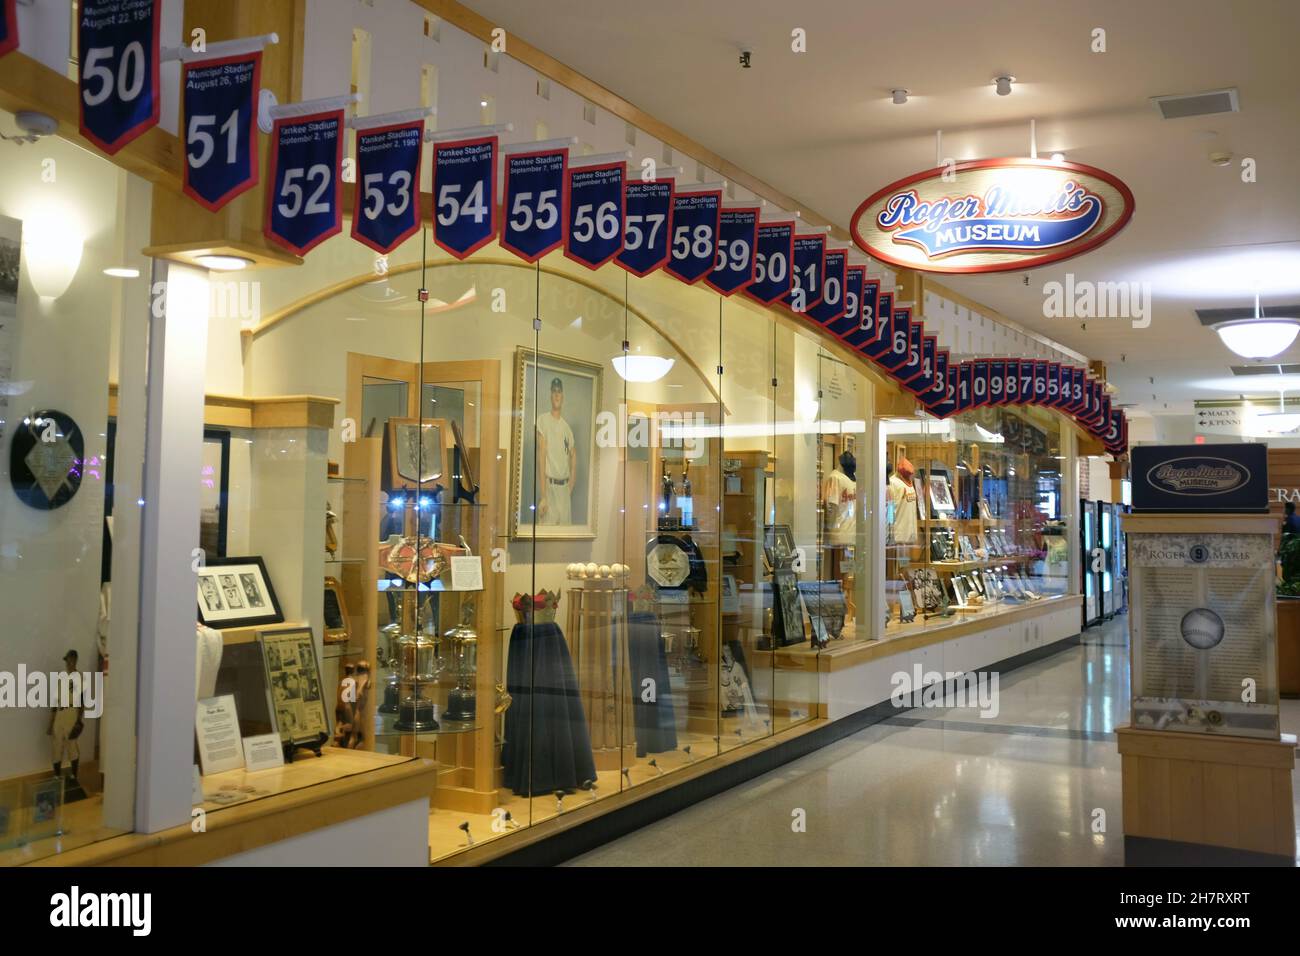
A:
[248,635]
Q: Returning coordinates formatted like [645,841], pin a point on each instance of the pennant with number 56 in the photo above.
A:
[302,198]
[387,209]
[220,123]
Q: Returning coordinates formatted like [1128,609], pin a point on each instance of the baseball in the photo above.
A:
[603,570]
[592,569]
[1202,628]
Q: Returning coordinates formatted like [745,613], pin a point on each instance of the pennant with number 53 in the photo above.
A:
[387,209]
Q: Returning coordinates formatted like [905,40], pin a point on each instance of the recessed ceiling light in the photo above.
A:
[223,263]
[1003,84]
[122,272]
[900,96]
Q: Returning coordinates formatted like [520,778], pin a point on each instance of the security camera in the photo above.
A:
[744,59]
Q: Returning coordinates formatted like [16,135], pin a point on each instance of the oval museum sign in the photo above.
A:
[992,215]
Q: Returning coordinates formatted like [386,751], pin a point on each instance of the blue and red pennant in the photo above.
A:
[536,202]
[219,117]
[596,210]
[696,216]
[117,89]
[386,211]
[465,194]
[303,198]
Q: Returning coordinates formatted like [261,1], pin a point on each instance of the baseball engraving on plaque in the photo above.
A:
[1202,626]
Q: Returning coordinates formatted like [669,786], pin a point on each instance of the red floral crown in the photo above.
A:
[541,606]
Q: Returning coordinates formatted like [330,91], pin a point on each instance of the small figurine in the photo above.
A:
[331,536]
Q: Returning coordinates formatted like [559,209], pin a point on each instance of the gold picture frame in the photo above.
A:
[337,629]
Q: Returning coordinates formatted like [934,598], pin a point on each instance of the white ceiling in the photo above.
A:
[820,126]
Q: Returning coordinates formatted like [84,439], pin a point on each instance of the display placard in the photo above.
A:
[1231,477]
[834,279]
[219,117]
[303,206]
[465,191]
[1203,626]
[733,265]
[596,204]
[695,234]
[536,202]
[118,77]
[806,279]
[8,39]
[216,727]
[647,220]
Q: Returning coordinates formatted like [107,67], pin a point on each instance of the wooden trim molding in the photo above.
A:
[390,782]
[275,411]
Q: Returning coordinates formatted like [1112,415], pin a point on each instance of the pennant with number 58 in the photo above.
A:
[220,123]
[387,209]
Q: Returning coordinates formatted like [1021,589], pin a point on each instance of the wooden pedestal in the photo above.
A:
[1232,792]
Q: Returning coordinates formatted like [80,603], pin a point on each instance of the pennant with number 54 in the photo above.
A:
[387,209]
[220,123]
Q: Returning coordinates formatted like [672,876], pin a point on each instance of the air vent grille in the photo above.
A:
[1215,316]
[1266,369]
[1182,105]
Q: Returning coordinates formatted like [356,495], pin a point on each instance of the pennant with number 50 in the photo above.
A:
[118,82]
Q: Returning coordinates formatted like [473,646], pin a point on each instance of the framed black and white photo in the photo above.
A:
[778,545]
[294,677]
[554,478]
[941,495]
[237,592]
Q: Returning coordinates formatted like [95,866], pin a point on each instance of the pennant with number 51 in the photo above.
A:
[220,123]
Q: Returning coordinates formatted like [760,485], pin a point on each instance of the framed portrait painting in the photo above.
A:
[554,478]
[237,592]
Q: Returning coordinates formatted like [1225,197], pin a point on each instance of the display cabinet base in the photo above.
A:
[1228,793]
[417,718]
[460,706]
[1148,851]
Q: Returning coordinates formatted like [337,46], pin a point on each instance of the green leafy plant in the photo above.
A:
[1289,556]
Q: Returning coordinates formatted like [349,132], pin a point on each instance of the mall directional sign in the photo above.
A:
[992,215]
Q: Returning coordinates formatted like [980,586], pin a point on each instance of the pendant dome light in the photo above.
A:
[1258,338]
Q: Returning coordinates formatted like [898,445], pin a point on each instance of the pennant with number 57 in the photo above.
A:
[220,123]
[387,209]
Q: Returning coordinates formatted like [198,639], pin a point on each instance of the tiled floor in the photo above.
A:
[936,787]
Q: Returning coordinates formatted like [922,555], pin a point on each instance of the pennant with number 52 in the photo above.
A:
[302,198]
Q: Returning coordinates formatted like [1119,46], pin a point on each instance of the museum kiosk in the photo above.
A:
[501,506]
[1204,762]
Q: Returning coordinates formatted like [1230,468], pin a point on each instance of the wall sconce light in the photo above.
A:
[52,246]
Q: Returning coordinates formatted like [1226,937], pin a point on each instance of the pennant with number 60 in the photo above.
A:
[387,209]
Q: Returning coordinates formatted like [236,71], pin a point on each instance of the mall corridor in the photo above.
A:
[942,787]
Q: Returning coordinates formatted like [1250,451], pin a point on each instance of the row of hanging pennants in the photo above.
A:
[591,209]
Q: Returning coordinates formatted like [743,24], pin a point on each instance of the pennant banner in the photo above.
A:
[911,366]
[595,233]
[118,83]
[866,329]
[875,348]
[733,266]
[834,278]
[898,339]
[772,258]
[386,211]
[536,203]
[855,278]
[303,202]
[647,220]
[8,26]
[219,113]
[465,192]
[809,259]
[695,234]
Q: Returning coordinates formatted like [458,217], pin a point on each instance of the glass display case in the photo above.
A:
[973,518]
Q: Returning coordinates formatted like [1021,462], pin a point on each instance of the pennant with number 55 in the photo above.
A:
[387,209]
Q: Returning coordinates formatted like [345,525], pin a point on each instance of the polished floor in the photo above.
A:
[936,787]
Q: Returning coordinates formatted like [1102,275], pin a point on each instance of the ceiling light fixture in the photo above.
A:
[122,272]
[1058,157]
[1259,338]
[1003,84]
[223,263]
[900,96]
[642,368]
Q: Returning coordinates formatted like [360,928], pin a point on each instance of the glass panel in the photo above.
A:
[73,363]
